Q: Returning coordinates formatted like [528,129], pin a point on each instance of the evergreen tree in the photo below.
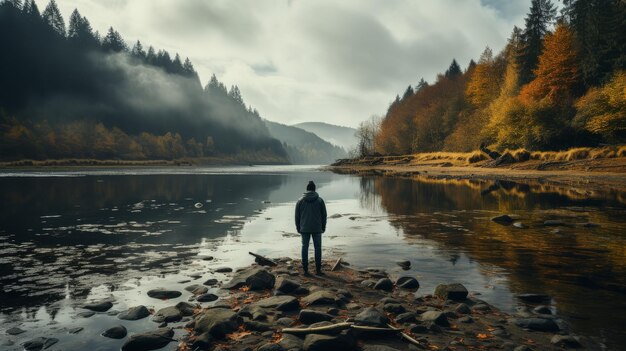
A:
[177,65]
[80,33]
[52,16]
[151,57]
[454,70]
[14,3]
[538,20]
[113,41]
[408,93]
[138,51]
[235,94]
[421,85]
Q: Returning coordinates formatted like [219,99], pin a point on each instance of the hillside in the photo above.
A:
[338,135]
[304,147]
[72,93]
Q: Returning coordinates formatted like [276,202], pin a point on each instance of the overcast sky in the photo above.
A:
[316,60]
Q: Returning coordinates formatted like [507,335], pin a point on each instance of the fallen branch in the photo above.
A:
[410,339]
[375,329]
[318,330]
[337,264]
[263,261]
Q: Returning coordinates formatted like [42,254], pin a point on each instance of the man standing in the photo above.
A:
[311,222]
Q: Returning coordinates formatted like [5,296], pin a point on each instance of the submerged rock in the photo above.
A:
[152,340]
[116,332]
[538,324]
[164,294]
[134,313]
[453,291]
[211,282]
[15,331]
[40,343]
[224,270]
[102,306]
[405,264]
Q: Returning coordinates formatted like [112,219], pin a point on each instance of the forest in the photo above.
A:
[560,82]
[70,92]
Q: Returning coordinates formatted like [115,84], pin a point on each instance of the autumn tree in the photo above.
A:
[537,25]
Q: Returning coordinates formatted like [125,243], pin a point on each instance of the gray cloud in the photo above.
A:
[321,60]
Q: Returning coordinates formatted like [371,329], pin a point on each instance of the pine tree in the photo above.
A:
[52,16]
[454,70]
[113,41]
[151,57]
[408,93]
[421,85]
[235,94]
[79,31]
[538,20]
[138,51]
[177,65]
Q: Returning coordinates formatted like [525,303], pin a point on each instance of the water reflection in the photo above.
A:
[582,263]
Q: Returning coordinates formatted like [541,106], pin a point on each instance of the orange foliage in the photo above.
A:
[557,74]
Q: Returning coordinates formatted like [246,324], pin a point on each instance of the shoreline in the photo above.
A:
[601,174]
[276,308]
[94,163]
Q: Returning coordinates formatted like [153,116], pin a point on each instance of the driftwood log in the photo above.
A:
[336,328]
[263,261]
[336,265]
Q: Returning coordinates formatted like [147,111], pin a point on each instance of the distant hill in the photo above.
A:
[304,147]
[338,135]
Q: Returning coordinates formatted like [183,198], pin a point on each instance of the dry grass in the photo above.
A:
[580,153]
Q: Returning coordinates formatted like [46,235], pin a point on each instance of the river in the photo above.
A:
[69,236]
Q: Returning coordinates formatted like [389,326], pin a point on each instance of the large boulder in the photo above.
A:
[317,342]
[281,303]
[538,324]
[168,314]
[453,291]
[319,297]
[134,313]
[371,317]
[255,279]
[152,340]
[312,316]
[436,317]
[164,294]
[218,322]
[116,332]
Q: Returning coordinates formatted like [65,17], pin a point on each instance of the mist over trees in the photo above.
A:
[73,92]
[559,82]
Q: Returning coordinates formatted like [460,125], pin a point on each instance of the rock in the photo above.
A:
[522,348]
[86,314]
[255,279]
[462,309]
[75,330]
[319,297]
[152,340]
[542,310]
[519,225]
[285,322]
[207,297]
[15,331]
[436,317]
[168,314]
[311,316]
[186,308]
[453,291]
[217,322]
[333,311]
[418,329]
[405,264]
[211,282]
[503,219]
[371,317]
[134,313]
[384,284]
[466,320]
[271,347]
[481,307]
[197,289]
[534,298]
[116,332]
[567,341]
[164,294]
[223,270]
[378,348]
[406,317]
[257,326]
[368,283]
[102,306]
[286,285]
[40,343]
[202,342]
[538,324]
[394,308]
[254,312]
[280,303]
[553,223]
[407,283]
[291,342]
[317,342]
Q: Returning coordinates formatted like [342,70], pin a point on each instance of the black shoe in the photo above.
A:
[319,273]
[307,274]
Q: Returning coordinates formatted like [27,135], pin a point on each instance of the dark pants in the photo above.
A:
[317,243]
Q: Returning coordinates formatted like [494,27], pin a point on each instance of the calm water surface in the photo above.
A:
[67,237]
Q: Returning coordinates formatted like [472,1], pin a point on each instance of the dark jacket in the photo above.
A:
[310,213]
